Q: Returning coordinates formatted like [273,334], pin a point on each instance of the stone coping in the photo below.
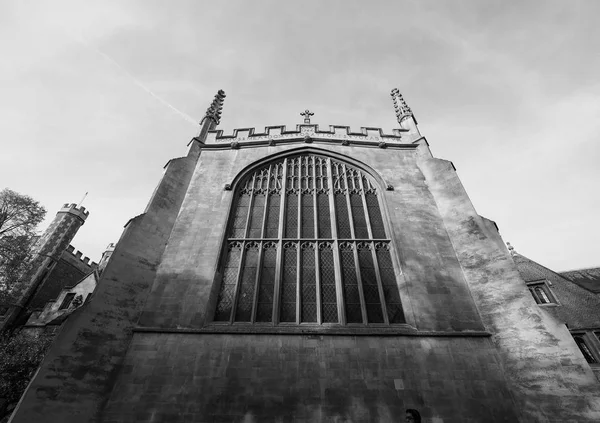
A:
[254,329]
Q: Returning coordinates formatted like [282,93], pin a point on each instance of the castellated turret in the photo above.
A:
[106,257]
[47,252]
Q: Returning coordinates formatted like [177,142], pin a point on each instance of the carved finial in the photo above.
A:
[511,249]
[402,109]
[307,114]
[214,111]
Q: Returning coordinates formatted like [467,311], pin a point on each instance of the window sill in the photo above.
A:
[256,329]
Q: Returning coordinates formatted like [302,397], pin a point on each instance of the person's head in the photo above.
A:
[412,416]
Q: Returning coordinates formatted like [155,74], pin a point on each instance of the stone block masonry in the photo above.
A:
[264,378]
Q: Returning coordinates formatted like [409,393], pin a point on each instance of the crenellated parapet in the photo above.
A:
[78,255]
[73,209]
[307,133]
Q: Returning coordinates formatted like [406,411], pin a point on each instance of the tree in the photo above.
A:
[19,216]
[20,356]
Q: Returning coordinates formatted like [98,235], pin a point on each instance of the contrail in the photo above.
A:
[82,41]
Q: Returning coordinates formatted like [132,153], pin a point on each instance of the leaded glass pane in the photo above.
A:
[266,286]
[272,230]
[238,227]
[246,291]
[308,287]
[323,215]
[350,283]
[256,216]
[291,216]
[329,308]
[358,216]
[341,210]
[375,215]
[369,283]
[388,283]
[308,215]
[228,283]
[288,283]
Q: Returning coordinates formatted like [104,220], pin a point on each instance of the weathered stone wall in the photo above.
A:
[263,378]
[78,373]
[546,372]
[454,277]
[433,289]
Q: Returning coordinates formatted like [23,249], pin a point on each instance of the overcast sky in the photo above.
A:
[97,96]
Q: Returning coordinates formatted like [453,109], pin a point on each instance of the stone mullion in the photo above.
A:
[337,267]
[298,273]
[280,232]
[314,192]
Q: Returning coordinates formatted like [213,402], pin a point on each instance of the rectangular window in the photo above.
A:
[540,292]
[584,347]
[67,301]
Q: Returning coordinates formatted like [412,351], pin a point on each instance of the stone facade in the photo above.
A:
[572,298]
[475,346]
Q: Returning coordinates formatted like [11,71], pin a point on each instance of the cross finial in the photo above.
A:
[307,114]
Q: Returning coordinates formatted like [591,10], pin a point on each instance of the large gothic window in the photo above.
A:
[306,244]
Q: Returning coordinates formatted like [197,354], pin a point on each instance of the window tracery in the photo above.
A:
[306,244]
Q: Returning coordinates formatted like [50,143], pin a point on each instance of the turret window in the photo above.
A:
[307,244]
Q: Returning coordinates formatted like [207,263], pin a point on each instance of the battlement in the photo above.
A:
[78,255]
[72,208]
[307,133]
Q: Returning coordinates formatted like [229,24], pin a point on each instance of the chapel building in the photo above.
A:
[311,275]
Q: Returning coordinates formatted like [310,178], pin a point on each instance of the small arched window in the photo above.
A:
[307,244]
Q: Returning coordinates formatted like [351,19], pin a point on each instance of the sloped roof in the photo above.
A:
[579,307]
[586,278]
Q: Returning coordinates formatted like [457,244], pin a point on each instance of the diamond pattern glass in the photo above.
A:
[238,227]
[388,283]
[291,216]
[264,308]
[329,308]
[246,291]
[343,221]
[308,218]
[375,215]
[230,273]
[288,284]
[308,284]
[256,216]
[323,215]
[369,283]
[272,230]
[351,294]
[358,216]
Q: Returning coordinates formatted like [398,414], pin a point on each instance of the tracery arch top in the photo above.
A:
[307,244]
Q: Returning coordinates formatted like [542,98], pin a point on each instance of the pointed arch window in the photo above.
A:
[307,244]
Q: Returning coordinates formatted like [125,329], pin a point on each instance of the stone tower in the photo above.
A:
[46,254]
[311,275]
